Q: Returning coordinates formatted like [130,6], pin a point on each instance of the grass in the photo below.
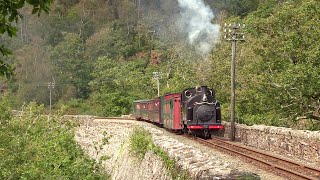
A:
[141,143]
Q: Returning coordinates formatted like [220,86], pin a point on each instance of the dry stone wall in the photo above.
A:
[300,145]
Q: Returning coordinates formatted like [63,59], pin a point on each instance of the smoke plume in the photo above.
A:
[196,22]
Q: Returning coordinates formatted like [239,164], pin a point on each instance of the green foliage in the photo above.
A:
[78,106]
[114,42]
[277,66]
[32,74]
[116,85]
[175,171]
[38,147]
[290,63]
[9,14]
[5,109]
[141,143]
[241,7]
[70,67]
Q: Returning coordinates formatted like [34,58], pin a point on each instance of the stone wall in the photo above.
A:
[294,144]
[108,143]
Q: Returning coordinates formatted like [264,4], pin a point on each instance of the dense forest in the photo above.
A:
[99,56]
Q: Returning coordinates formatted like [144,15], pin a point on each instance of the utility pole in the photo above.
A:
[157,76]
[50,87]
[232,34]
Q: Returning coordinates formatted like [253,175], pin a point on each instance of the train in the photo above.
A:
[194,111]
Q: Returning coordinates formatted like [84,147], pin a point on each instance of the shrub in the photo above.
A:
[5,110]
[141,143]
[41,147]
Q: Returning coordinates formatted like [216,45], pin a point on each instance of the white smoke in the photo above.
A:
[196,22]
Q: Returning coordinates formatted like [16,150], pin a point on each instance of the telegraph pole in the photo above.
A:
[157,76]
[232,34]
[50,87]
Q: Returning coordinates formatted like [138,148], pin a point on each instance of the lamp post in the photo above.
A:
[232,34]
[157,76]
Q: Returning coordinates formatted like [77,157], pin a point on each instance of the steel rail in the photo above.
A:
[291,172]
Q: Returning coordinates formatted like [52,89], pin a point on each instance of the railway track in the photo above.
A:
[284,167]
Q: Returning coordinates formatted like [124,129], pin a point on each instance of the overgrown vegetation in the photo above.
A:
[101,56]
[141,143]
[34,146]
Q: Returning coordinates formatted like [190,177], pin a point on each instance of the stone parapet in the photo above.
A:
[295,144]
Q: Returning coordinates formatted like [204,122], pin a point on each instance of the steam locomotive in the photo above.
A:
[195,111]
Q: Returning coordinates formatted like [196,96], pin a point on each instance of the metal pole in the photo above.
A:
[233,90]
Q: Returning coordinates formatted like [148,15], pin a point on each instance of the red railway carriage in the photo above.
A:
[137,109]
[156,111]
[171,111]
[142,109]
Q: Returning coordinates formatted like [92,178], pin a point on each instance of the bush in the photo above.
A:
[78,106]
[5,110]
[140,142]
[41,147]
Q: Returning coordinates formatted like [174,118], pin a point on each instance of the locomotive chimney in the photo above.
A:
[204,90]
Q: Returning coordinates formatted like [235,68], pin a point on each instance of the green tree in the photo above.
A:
[9,14]
[33,72]
[277,67]
[117,84]
[71,70]
[289,50]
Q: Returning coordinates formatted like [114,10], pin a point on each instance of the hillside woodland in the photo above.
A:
[101,55]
